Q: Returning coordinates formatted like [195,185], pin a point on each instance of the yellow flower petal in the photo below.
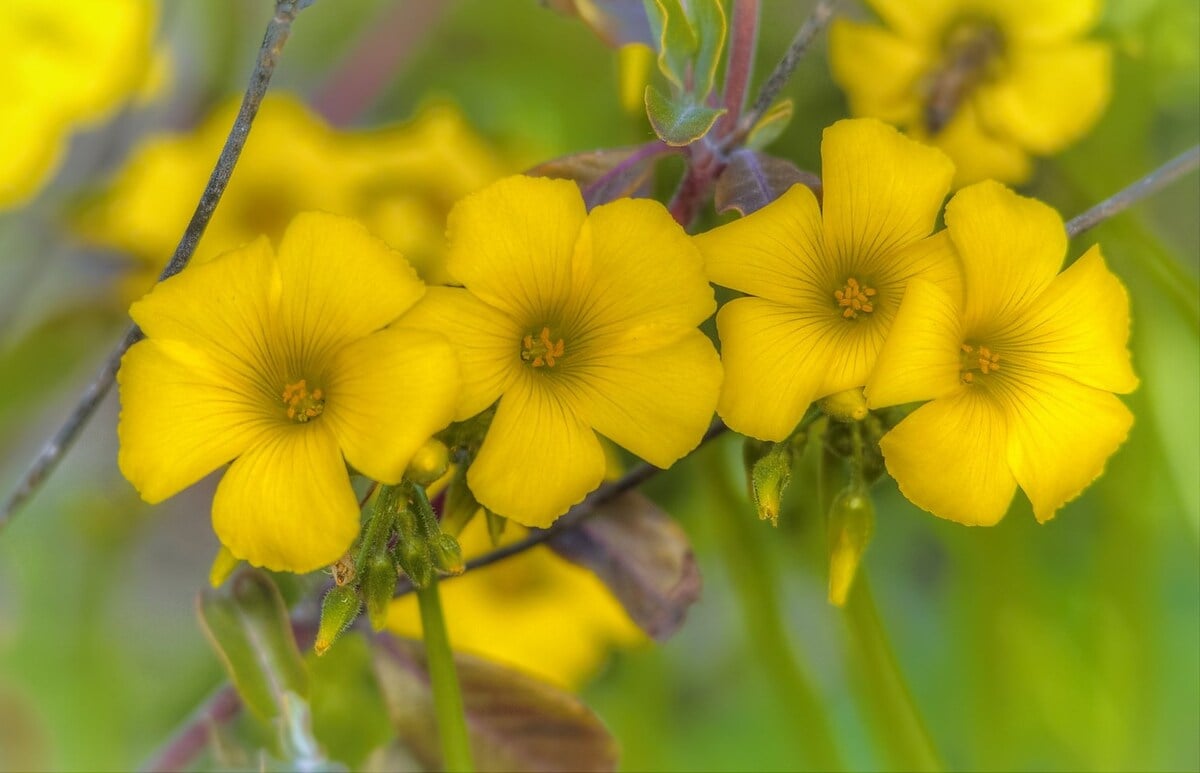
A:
[286,504]
[635,266]
[486,341]
[231,321]
[339,283]
[1048,98]
[1061,434]
[950,457]
[211,417]
[776,253]
[657,404]
[882,190]
[1011,249]
[387,394]
[775,359]
[1045,21]
[918,19]
[1079,328]
[511,243]
[920,359]
[878,70]
[978,154]
[538,458]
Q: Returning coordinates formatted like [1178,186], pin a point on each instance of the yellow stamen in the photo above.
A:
[978,358]
[854,298]
[541,351]
[301,404]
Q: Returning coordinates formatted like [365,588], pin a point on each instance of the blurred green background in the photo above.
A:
[1074,645]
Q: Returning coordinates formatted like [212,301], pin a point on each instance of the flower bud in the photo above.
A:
[379,587]
[847,405]
[339,609]
[851,524]
[429,463]
[769,478]
[447,554]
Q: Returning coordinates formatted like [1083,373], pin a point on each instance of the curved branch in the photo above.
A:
[1123,199]
[57,446]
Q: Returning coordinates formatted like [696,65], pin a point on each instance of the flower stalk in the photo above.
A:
[447,696]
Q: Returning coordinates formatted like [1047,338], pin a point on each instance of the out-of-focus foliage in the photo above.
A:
[1060,646]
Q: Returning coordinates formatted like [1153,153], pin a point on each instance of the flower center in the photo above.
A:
[541,351]
[977,359]
[302,404]
[971,52]
[854,298]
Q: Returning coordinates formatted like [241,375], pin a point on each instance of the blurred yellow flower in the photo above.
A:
[504,612]
[399,181]
[64,64]
[825,282]
[281,362]
[1020,369]
[987,81]
[578,323]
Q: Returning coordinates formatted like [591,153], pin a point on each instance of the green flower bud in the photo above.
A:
[429,463]
[848,405]
[769,478]
[379,587]
[412,554]
[339,609]
[447,554]
[851,524]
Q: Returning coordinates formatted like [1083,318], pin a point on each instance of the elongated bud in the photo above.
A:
[447,554]
[339,609]
[851,524]
[379,587]
[848,405]
[429,463]
[769,478]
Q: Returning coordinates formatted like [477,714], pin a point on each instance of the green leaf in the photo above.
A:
[708,23]
[677,42]
[349,715]
[679,122]
[771,125]
[247,623]
[515,721]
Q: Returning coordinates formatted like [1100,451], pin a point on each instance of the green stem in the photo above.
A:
[754,583]
[898,724]
[447,697]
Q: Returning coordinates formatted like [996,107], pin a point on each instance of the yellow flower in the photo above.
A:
[825,282]
[400,182]
[578,323]
[1020,368]
[503,612]
[987,81]
[281,363]
[64,64]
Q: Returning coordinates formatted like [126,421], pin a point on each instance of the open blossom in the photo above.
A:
[988,81]
[281,363]
[64,64]
[825,281]
[578,323]
[1020,369]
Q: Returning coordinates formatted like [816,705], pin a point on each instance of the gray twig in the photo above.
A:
[1126,197]
[52,452]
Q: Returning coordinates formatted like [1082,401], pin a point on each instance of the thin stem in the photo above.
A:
[757,590]
[195,734]
[447,697]
[268,57]
[895,716]
[743,41]
[1123,199]
[637,156]
[817,21]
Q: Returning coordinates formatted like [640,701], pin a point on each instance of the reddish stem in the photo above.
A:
[743,41]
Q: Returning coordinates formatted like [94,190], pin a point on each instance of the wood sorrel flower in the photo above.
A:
[281,362]
[578,323]
[825,282]
[1020,369]
[987,81]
